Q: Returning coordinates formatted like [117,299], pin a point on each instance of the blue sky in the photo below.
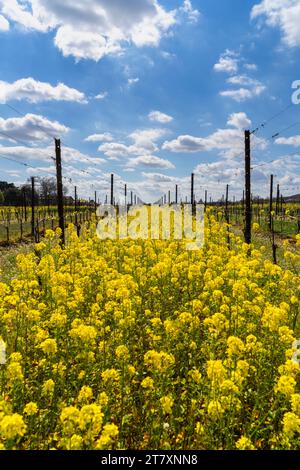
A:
[151,91]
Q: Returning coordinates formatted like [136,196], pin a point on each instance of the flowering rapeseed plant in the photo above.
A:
[143,344]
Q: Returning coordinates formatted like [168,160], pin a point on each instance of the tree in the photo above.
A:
[47,190]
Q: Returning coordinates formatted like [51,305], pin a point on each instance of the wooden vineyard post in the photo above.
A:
[111,189]
[271,202]
[247,188]
[32,208]
[60,202]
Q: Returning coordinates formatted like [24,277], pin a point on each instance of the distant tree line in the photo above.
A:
[45,193]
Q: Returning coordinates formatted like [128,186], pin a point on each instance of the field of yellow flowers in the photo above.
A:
[141,344]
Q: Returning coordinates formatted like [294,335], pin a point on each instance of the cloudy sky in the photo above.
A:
[151,90]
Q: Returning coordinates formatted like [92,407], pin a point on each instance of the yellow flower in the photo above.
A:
[109,434]
[131,370]
[215,371]
[147,383]
[244,443]
[12,426]
[295,402]
[199,428]
[75,443]
[91,417]
[166,404]
[291,424]
[215,410]
[122,352]
[235,346]
[158,361]
[227,386]
[286,335]
[285,385]
[84,333]
[195,375]
[14,372]
[294,300]
[49,346]
[48,387]
[31,408]
[102,399]
[85,394]
[110,375]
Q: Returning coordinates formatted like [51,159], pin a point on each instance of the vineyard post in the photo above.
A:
[247,193]
[227,214]
[226,205]
[32,209]
[205,200]
[277,199]
[60,202]
[169,197]
[112,189]
[75,198]
[135,199]
[95,201]
[193,193]
[75,205]
[271,202]
[25,204]
[176,194]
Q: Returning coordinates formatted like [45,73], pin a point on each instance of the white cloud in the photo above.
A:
[4,24]
[193,14]
[142,137]
[160,117]
[34,91]
[251,67]
[242,94]
[114,150]
[132,81]
[284,14]
[83,44]
[168,55]
[294,141]
[243,80]
[187,144]
[149,161]
[254,88]
[230,142]
[106,137]
[69,154]
[158,177]
[143,143]
[228,62]
[239,120]
[31,127]
[101,96]
[92,29]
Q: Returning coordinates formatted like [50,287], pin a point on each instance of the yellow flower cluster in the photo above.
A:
[144,344]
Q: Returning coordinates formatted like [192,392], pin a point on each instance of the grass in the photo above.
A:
[8,262]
